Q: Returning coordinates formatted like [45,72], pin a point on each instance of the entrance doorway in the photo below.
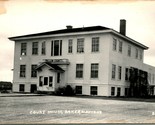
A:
[33,88]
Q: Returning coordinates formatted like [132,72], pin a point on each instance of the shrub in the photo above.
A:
[66,91]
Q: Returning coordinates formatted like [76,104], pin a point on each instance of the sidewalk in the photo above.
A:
[18,94]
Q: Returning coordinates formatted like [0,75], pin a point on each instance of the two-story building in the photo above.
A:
[93,60]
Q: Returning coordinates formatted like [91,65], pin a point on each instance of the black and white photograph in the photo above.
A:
[77,61]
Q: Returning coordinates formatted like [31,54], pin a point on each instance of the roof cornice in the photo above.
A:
[80,33]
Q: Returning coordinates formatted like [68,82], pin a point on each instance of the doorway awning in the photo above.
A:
[54,67]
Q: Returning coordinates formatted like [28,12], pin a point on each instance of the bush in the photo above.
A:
[66,91]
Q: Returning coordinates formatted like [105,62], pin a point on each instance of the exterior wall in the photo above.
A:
[85,58]
[105,58]
[123,60]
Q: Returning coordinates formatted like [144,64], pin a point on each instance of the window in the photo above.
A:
[21,87]
[94,70]
[22,70]
[50,81]
[141,55]
[120,46]
[58,77]
[40,80]
[112,91]
[113,71]
[136,56]
[70,46]
[43,48]
[129,50]
[118,91]
[79,70]
[33,71]
[45,80]
[95,44]
[80,45]
[23,49]
[56,48]
[119,72]
[35,48]
[114,44]
[78,89]
[93,90]
[126,91]
[127,71]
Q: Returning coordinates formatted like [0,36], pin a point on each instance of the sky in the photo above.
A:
[21,17]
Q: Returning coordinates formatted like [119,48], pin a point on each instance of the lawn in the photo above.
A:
[57,109]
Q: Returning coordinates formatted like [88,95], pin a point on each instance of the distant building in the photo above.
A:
[94,60]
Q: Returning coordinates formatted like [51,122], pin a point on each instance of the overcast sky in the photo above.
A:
[20,17]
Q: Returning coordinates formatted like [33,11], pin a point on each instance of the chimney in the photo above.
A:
[123,27]
[69,27]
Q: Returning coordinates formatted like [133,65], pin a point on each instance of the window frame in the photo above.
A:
[129,50]
[22,73]
[35,46]
[57,52]
[119,72]
[80,45]
[113,75]
[93,90]
[23,49]
[33,71]
[43,48]
[70,46]
[78,89]
[120,46]
[136,53]
[95,44]
[79,70]
[114,44]
[94,70]
[112,91]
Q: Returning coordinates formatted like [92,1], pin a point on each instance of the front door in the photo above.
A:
[33,88]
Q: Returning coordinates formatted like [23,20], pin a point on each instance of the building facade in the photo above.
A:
[93,60]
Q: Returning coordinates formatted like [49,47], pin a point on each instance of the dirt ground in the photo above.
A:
[57,109]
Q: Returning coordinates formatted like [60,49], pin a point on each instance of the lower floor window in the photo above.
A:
[93,90]
[78,89]
[41,81]
[112,91]
[50,81]
[126,91]
[118,91]
[21,87]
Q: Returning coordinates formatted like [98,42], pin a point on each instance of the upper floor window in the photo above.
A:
[95,44]
[70,46]
[80,45]
[23,48]
[127,74]
[113,71]
[35,48]
[136,54]
[56,48]
[79,70]
[33,71]
[129,50]
[141,55]
[22,71]
[43,48]
[120,46]
[114,44]
[119,72]
[94,70]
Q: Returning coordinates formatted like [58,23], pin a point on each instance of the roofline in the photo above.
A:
[81,33]
[131,40]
